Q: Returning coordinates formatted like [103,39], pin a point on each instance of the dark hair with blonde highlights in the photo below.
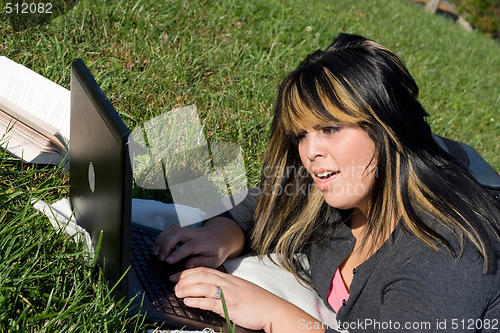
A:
[356,81]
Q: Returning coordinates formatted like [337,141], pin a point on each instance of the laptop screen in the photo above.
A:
[100,172]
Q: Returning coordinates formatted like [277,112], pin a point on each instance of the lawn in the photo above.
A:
[227,58]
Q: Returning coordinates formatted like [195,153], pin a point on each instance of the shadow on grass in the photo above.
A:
[24,15]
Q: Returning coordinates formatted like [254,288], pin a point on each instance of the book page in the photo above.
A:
[36,94]
[23,142]
[10,112]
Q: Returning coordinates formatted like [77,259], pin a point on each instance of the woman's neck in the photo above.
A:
[358,224]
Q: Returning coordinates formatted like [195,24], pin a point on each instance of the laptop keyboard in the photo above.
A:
[154,276]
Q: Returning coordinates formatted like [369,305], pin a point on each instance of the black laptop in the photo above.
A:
[101,196]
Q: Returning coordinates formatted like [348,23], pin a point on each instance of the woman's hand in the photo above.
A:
[220,238]
[248,305]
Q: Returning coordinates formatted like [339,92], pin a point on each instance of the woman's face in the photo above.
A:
[341,161]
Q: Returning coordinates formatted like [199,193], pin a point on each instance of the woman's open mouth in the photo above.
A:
[324,178]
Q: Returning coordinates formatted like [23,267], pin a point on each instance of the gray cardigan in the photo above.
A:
[405,286]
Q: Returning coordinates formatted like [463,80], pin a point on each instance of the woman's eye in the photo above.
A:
[330,129]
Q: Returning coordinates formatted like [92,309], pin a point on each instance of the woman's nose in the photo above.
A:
[315,147]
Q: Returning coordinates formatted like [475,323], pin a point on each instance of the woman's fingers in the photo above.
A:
[208,246]
[167,239]
[210,304]
[195,275]
[200,256]
[205,290]
[173,244]
[199,287]
[248,304]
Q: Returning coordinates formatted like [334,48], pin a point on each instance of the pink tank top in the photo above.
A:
[338,292]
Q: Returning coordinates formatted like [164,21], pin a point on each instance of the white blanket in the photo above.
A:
[159,215]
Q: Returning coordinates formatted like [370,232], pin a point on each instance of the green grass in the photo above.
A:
[45,283]
[227,57]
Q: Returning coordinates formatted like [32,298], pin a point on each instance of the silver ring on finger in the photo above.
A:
[218,293]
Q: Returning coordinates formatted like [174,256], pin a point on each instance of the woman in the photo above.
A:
[397,234]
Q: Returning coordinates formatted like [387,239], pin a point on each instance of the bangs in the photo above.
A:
[315,97]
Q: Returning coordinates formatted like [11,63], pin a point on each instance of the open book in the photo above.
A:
[34,115]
